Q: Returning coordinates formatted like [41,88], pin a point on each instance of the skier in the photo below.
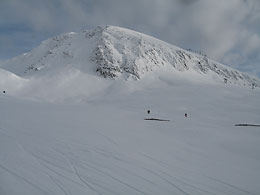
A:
[3,91]
[225,80]
[186,115]
[148,111]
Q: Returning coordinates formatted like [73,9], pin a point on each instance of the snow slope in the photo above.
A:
[65,129]
[103,145]
[11,81]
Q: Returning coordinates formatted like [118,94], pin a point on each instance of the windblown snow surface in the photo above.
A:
[64,129]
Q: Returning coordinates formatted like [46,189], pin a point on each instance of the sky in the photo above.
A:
[226,31]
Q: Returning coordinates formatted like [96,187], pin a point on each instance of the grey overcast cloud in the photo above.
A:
[227,31]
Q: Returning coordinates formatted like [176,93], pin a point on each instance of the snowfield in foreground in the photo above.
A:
[101,144]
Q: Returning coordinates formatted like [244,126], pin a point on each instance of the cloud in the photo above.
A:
[227,31]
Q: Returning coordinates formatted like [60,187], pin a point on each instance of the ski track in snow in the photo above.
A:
[42,190]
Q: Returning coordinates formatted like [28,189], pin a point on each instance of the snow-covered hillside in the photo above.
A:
[114,52]
[65,129]
[103,145]
[11,82]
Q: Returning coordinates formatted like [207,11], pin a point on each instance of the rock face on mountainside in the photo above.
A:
[113,52]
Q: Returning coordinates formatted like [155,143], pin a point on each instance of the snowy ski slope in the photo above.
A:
[64,129]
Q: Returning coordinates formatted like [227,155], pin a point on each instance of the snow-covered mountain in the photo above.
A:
[115,52]
[65,129]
